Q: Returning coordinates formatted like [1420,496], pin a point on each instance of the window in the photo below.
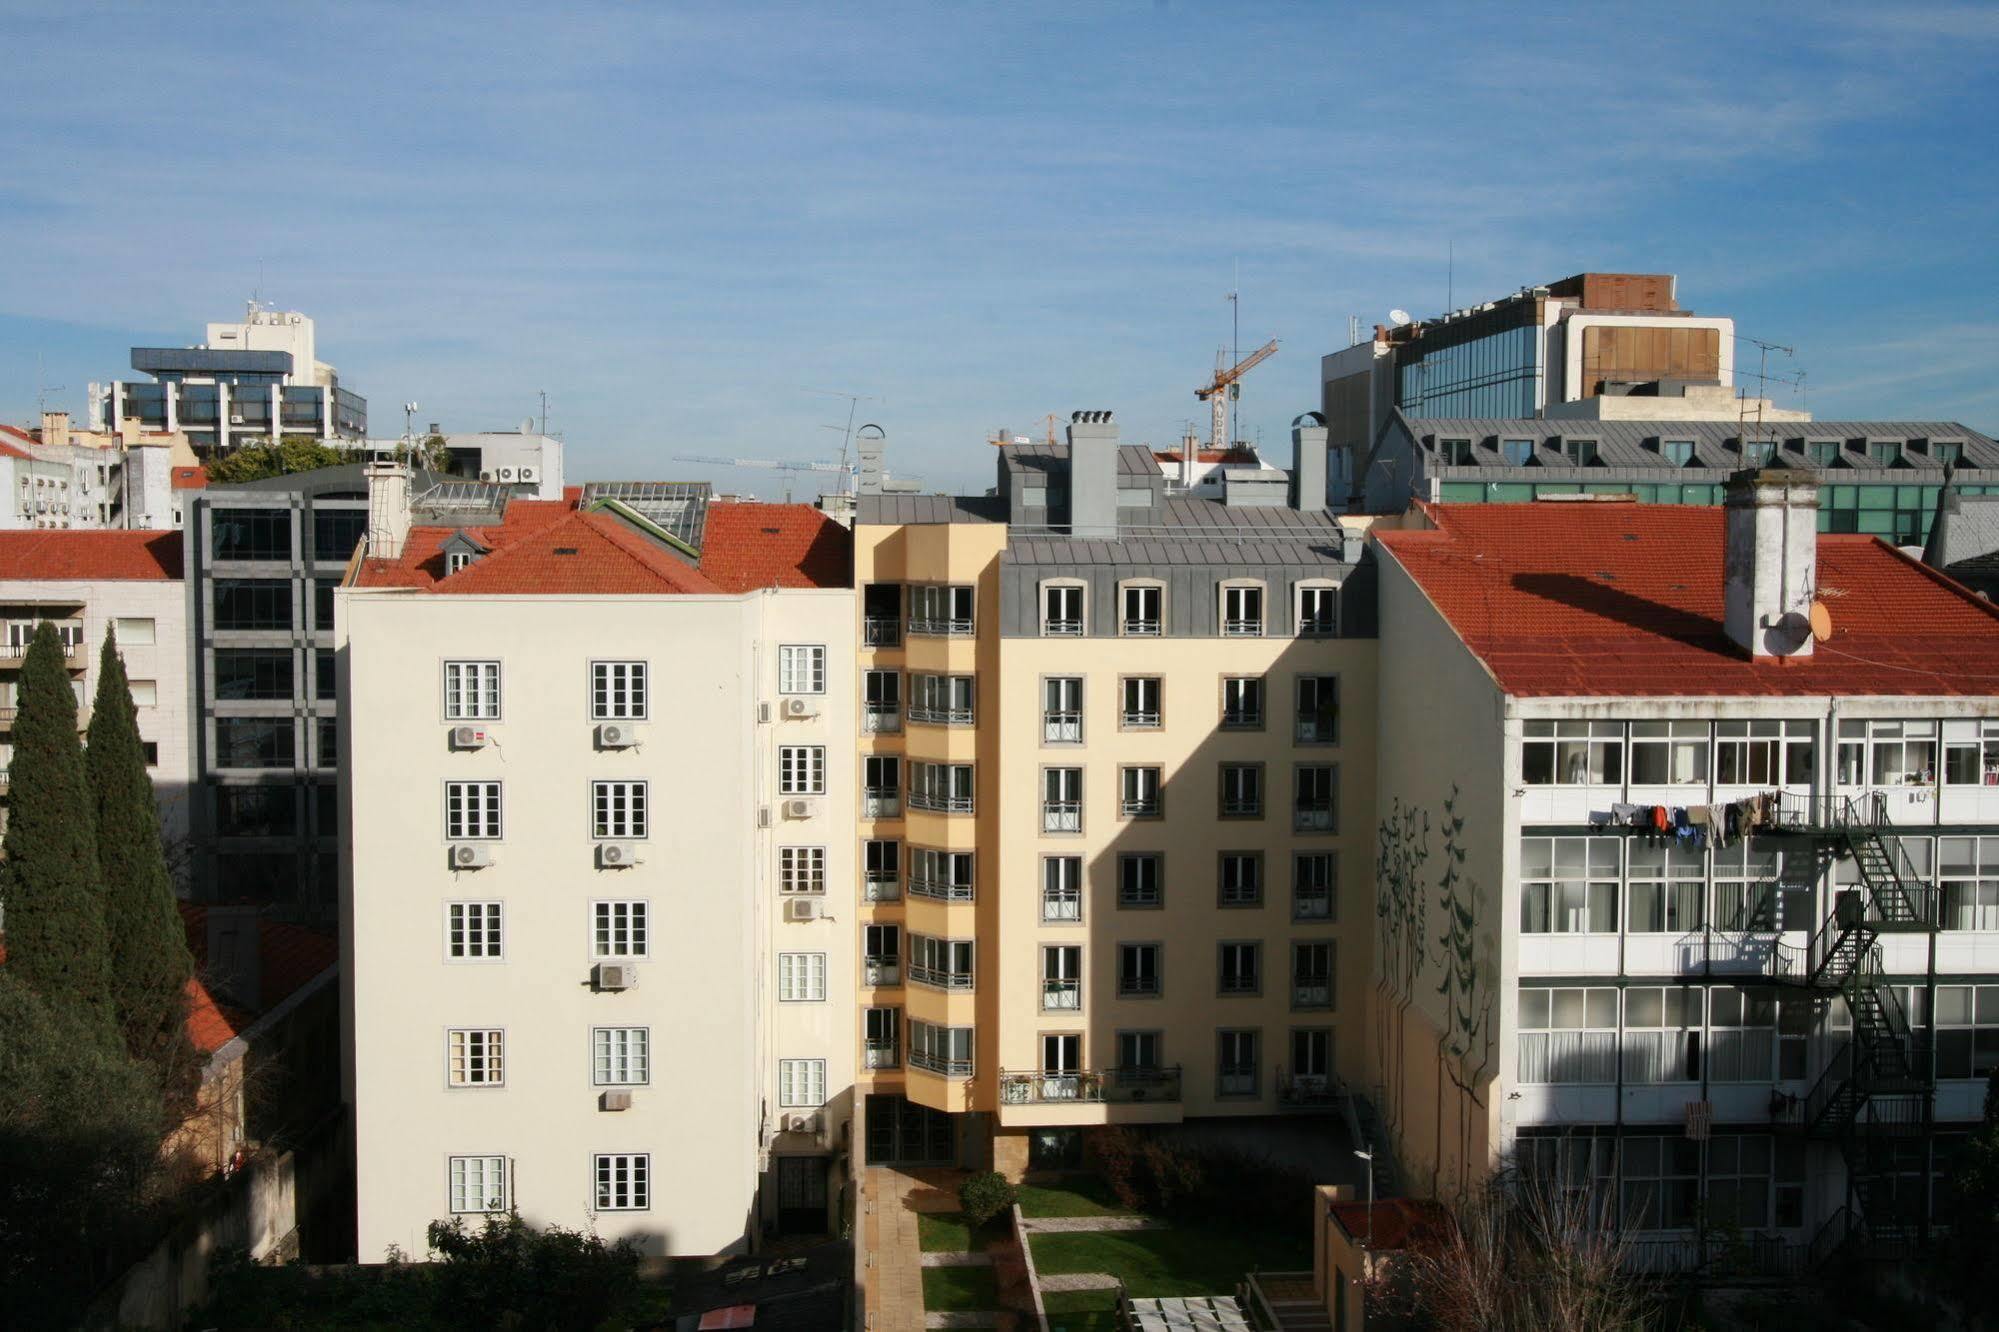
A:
[1138,708]
[1242,790]
[1968,874]
[881,870]
[801,978]
[336,532]
[801,1082]
[1662,1034]
[1138,1051]
[1758,452]
[1318,721]
[1241,879]
[1668,753]
[150,750]
[1946,451]
[1743,1035]
[617,809]
[945,964]
[881,786]
[325,680]
[1311,1059]
[944,875]
[473,931]
[1061,800]
[471,810]
[1577,452]
[1312,974]
[1883,452]
[942,699]
[1745,886]
[1568,885]
[944,787]
[471,690]
[1967,1031]
[1568,1035]
[940,611]
[1314,882]
[617,691]
[618,930]
[476,1057]
[1823,451]
[1140,793]
[624,1182]
[478,1184]
[1887,753]
[881,954]
[881,615]
[1971,753]
[801,770]
[801,669]
[1137,970]
[1241,968]
[1062,710]
[1142,610]
[1764,753]
[881,1037]
[1516,452]
[1572,753]
[881,701]
[1242,703]
[262,810]
[329,741]
[1318,612]
[1455,452]
[456,560]
[252,534]
[802,869]
[620,1056]
[134,631]
[1061,888]
[1316,797]
[946,1050]
[145,693]
[1061,978]
[1236,1073]
[1678,452]
[1062,609]
[253,673]
[1667,883]
[1738,1181]
[251,604]
[1140,879]
[1661,1183]
[1242,610]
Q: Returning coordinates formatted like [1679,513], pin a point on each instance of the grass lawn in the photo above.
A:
[946,1232]
[1081,1310]
[1072,1195]
[1186,1260]
[959,1289]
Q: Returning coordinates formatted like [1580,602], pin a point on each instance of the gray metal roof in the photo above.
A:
[1967,528]
[897,510]
[1193,530]
[680,507]
[1624,443]
[1132,459]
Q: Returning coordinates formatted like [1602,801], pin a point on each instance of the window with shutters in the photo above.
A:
[621,1056]
[617,691]
[618,810]
[471,811]
[801,978]
[801,1083]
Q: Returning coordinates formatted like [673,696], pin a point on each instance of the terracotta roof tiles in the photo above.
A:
[89,555]
[749,546]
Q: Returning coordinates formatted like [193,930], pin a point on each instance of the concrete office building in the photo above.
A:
[1116,767]
[599,912]
[56,477]
[1770,1017]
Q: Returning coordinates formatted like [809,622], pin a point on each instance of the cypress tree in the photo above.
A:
[150,964]
[51,886]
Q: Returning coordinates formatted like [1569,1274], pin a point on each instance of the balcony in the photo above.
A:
[940,716]
[880,631]
[880,719]
[1312,816]
[882,804]
[950,1068]
[1318,626]
[1061,816]
[1307,1091]
[939,979]
[881,1054]
[940,804]
[938,888]
[1061,996]
[1112,1086]
[1142,807]
[1062,728]
[1139,719]
[1320,730]
[1242,719]
[881,888]
[1242,807]
[1137,987]
[1063,628]
[1141,628]
[1236,1080]
[881,971]
[1063,908]
[944,628]
[1312,904]
[1242,628]
[6,782]
[76,652]
[1312,994]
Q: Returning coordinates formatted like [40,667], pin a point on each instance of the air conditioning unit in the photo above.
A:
[615,976]
[471,855]
[763,712]
[530,474]
[617,855]
[468,737]
[616,735]
[506,474]
[800,809]
[806,1123]
[235,418]
[803,908]
[616,1099]
[799,707]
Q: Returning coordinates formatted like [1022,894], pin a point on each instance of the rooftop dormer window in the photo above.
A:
[1945,452]
[1578,452]
[1456,452]
[1824,452]
[1756,452]
[456,560]
[1516,452]
[1883,452]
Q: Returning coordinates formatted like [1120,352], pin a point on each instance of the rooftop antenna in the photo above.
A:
[42,389]
[854,401]
[544,411]
[1763,383]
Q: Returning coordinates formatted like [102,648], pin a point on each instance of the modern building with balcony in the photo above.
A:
[599,914]
[1682,894]
[1130,795]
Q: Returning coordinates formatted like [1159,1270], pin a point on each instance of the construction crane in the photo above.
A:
[1225,386]
[790,469]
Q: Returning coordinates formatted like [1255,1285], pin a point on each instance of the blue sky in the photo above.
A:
[680,220]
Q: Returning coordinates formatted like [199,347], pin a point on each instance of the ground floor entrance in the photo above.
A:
[801,1194]
[901,1132]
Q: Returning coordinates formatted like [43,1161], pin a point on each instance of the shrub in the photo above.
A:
[984,1196]
[1166,1175]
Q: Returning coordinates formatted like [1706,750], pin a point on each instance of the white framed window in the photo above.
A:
[1062,710]
[1239,1062]
[1141,610]
[801,770]
[1967,1031]
[1139,706]
[454,560]
[1061,978]
[135,631]
[1318,610]
[1241,880]
[478,1184]
[1312,971]
[621,1056]
[1968,873]
[1242,790]
[1061,800]
[1568,1035]
[618,930]
[881,786]
[1315,800]
[1764,753]
[474,932]
[1240,969]
[1665,888]
[1318,720]
[801,978]
[1970,752]
[1662,1034]
[1668,753]
[801,869]
[471,691]
[617,691]
[1141,793]
[939,610]
[471,811]
[1242,610]
[1061,888]
[1062,610]
[1568,885]
[1314,885]
[1242,702]
[1742,1035]
[476,1057]
[881,869]
[1572,753]
[945,787]
[145,693]
[1137,970]
[624,1181]
[1887,753]
[801,668]
[801,1083]
[1141,879]
[618,810]
[945,875]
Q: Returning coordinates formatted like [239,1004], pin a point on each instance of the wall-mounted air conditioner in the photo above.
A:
[471,855]
[799,707]
[468,737]
[617,855]
[618,1098]
[803,908]
[615,976]
[530,473]
[800,808]
[802,1123]
[616,735]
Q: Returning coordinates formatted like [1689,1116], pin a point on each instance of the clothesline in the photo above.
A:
[1696,825]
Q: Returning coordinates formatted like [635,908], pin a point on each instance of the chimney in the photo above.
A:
[1770,561]
[388,509]
[1092,475]
[235,964]
[1308,463]
[55,428]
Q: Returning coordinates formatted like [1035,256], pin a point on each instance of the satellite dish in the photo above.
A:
[1398,317]
[1821,619]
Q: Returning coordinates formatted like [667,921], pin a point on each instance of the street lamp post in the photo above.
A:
[1368,1156]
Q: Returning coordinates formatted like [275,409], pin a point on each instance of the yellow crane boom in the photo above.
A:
[1217,391]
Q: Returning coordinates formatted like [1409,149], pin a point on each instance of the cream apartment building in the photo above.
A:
[598,908]
[1117,760]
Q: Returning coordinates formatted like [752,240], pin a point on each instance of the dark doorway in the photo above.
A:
[901,1132]
[801,1195]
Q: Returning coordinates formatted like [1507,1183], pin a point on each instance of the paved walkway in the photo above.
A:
[1080,1281]
[1055,1225]
[955,1259]
[982,1319]
[890,1202]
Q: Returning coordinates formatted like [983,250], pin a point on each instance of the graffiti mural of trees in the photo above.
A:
[1466,990]
[1401,906]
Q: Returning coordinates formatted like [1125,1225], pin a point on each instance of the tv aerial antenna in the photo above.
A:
[854,401]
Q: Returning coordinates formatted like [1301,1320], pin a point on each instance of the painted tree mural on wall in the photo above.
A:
[1465,986]
[1401,901]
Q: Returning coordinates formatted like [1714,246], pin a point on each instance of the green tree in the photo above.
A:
[1974,1212]
[254,462]
[51,883]
[150,965]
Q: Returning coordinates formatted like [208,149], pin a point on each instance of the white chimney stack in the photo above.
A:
[388,509]
[1770,559]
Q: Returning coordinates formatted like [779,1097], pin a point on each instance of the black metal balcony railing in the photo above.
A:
[1062,628]
[1114,1086]
[934,1063]
[937,978]
[939,888]
[1063,728]
[1145,719]
[1061,816]
[1141,627]
[881,718]
[881,630]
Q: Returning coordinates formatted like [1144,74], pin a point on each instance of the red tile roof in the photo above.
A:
[11,447]
[190,478]
[584,554]
[288,957]
[422,561]
[747,546]
[87,555]
[1575,600]
[1394,1223]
